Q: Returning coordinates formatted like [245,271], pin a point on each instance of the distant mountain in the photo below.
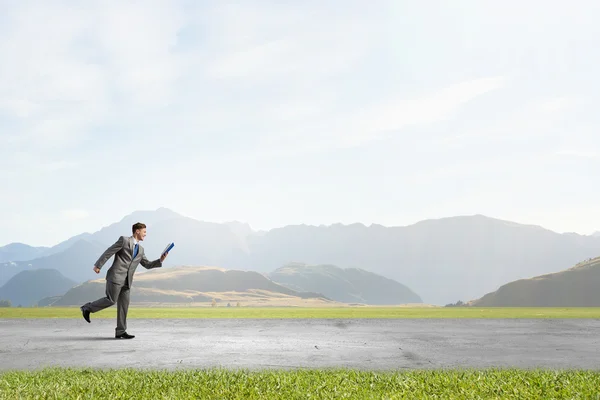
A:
[240,229]
[24,252]
[196,242]
[596,234]
[104,237]
[350,285]
[28,287]
[109,234]
[190,284]
[574,287]
[75,263]
[20,252]
[443,260]
[62,246]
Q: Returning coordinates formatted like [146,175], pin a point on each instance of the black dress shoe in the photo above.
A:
[86,314]
[124,335]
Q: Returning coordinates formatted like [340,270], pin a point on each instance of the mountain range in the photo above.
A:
[441,260]
[74,262]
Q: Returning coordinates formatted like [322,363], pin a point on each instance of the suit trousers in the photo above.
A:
[115,293]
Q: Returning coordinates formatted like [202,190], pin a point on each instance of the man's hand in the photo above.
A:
[96,270]
[162,258]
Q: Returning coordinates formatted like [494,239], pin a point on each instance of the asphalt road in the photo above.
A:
[370,344]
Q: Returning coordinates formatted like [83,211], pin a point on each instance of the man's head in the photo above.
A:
[139,231]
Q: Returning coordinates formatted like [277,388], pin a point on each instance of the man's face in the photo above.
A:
[140,234]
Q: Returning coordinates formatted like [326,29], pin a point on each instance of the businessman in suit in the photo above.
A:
[128,255]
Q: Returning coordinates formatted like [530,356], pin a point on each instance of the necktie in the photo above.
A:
[135,250]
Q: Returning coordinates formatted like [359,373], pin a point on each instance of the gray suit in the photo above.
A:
[119,278]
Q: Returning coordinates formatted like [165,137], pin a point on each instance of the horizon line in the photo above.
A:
[335,224]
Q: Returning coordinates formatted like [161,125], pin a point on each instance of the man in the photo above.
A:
[128,254]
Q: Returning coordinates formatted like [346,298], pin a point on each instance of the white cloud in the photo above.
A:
[265,43]
[518,123]
[578,153]
[318,52]
[137,40]
[554,104]
[26,164]
[74,214]
[356,127]
[71,68]
[426,109]
[270,79]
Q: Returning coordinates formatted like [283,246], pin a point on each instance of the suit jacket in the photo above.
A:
[124,265]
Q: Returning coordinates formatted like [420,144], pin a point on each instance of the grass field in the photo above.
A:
[67,383]
[299,384]
[317,312]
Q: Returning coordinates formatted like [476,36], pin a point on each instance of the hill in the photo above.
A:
[75,263]
[28,287]
[192,285]
[350,285]
[574,287]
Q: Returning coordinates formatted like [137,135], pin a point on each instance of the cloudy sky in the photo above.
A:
[314,112]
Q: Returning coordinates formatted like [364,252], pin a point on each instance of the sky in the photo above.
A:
[286,112]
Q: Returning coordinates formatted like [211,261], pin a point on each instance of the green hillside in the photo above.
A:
[349,285]
[190,285]
[575,287]
[28,287]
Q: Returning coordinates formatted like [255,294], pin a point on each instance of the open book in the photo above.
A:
[168,248]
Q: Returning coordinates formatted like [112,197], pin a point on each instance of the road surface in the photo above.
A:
[368,344]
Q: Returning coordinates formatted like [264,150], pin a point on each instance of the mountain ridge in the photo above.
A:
[17,251]
[443,259]
[75,262]
[167,212]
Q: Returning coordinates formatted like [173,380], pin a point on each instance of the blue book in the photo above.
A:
[168,248]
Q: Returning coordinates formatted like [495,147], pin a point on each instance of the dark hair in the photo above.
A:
[136,226]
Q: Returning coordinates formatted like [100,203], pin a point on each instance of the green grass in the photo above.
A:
[63,383]
[340,312]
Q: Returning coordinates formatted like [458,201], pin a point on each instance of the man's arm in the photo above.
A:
[111,251]
[152,264]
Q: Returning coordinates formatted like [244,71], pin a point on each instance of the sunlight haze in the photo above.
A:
[277,113]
